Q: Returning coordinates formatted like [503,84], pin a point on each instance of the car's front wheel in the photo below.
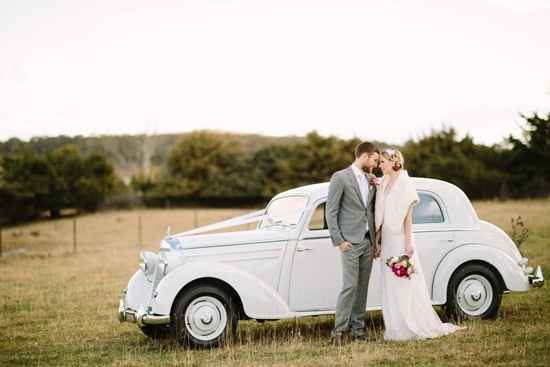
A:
[204,316]
[474,292]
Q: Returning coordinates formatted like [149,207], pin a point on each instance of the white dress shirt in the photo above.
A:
[363,184]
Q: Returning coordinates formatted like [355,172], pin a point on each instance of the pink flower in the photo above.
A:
[401,266]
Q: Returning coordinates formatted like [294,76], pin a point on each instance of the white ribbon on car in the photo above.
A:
[233,222]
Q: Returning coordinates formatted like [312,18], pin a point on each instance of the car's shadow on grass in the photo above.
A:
[309,330]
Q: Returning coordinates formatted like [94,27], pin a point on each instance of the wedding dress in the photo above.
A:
[406,306]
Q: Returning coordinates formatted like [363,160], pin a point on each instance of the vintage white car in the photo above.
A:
[200,284]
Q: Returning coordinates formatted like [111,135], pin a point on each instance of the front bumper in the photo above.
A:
[536,279]
[141,316]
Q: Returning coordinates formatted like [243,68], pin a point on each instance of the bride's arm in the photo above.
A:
[409,250]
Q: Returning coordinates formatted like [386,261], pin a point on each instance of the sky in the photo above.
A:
[377,70]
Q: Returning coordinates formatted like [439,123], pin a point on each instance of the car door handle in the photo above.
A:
[302,249]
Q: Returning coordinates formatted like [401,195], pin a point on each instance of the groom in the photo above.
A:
[350,219]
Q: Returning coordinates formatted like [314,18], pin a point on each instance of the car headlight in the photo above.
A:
[143,265]
[147,262]
[163,266]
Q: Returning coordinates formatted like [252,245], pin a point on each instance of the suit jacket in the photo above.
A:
[346,214]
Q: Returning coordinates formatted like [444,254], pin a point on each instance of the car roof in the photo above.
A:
[459,207]
[318,190]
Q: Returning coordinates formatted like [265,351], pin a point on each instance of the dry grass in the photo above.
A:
[58,308]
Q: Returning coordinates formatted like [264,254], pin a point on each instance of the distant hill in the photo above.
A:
[131,154]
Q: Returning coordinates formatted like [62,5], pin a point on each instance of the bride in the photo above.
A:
[406,304]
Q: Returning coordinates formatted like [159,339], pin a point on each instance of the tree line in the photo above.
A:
[32,184]
[206,168]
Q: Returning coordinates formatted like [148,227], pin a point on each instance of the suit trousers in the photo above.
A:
[352,300]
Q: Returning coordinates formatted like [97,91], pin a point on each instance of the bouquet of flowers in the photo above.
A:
[401,266]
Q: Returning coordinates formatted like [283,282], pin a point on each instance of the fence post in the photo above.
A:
[74,234]
[195,218]
[140,237]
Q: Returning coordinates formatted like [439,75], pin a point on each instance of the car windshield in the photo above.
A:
[284,212]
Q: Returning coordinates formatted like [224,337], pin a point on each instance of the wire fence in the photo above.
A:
[71,234]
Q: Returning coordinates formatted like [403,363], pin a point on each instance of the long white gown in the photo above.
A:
[406,305]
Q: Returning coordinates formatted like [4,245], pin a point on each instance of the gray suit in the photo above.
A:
[347,218]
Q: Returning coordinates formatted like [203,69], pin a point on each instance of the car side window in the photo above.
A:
[318,221]
[427,211]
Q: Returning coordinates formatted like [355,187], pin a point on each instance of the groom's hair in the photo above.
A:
[365,147]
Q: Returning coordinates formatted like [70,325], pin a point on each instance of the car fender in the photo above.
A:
[511,273]
[138,291]
[259,300]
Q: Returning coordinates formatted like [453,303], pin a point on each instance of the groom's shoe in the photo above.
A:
[359,338]
[359,335]
[338,340]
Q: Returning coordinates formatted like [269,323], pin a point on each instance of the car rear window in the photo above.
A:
[428,210]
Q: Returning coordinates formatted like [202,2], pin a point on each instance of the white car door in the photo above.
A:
[433,233]
[316,275]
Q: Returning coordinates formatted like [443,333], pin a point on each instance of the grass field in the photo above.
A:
[59,308]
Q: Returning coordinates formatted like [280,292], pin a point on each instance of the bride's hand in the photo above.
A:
[377,245]
[377,251]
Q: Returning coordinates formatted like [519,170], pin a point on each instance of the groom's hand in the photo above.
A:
[345,246]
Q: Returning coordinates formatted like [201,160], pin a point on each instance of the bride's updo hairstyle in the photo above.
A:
[394,156]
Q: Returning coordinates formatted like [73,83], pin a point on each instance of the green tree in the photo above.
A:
[95,184]
[272,169]
[442,155]
[142,184]
[24,186]
[319,157]
[206,165]
[31,183]
[65,170]
[529,156]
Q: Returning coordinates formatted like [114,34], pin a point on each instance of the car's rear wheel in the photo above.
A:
[474,292]
[204,316]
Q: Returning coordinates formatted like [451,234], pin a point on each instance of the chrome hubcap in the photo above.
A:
[205,318]
[474,295]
